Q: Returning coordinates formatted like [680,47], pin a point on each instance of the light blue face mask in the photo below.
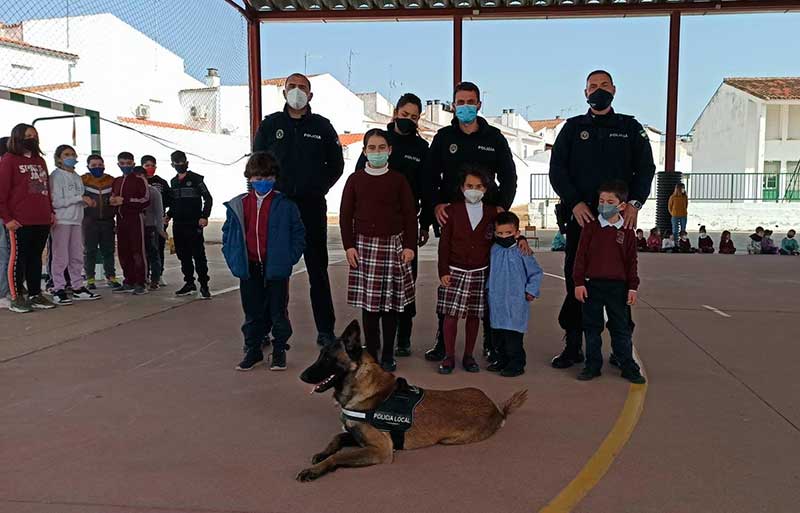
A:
[608,212]
[467,113]
[379,159]
[70,162]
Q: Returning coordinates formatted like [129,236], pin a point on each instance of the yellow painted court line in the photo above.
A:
[601,460]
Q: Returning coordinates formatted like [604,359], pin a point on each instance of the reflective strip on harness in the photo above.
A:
[395,415]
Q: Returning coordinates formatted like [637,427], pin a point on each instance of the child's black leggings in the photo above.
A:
[372,333]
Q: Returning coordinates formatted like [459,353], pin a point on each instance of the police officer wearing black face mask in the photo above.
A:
[592,149]
[311,162]
[409,151]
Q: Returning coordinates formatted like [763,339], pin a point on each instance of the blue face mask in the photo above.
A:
[467,113]
[97,172]
[263,186]
[126,170]
[378,160]
[608,211]
[70,162]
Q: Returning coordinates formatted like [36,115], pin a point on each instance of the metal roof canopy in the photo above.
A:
[258,11]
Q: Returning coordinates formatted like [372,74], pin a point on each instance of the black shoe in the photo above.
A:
[470,365]
[565,360]
[612,360]
[278,361]
[447,366]
[634,376]
[435,354]
[60,297]
[512,372]
[389,365]
[251,360]
[325,339]
[124,289]
[204,292]
[491,356]
[139,290]
[186,290]
[403,349]
[496,367]
[588,374]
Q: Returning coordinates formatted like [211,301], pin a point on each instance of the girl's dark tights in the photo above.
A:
[373,322]
[451,330]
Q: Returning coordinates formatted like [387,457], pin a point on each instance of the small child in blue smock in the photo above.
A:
[514,281]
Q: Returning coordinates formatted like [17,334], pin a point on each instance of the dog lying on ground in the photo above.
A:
[360,385]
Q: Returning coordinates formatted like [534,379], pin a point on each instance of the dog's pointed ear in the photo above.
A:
[351,338]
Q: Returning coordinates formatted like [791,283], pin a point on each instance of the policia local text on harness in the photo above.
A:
[395,415]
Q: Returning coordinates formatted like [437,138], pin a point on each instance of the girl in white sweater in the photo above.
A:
[67,195]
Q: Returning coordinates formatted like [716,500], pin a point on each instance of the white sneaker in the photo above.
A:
[5,303]
[83,294]
[163,282]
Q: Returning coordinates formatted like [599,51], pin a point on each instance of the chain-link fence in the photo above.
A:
[163,75]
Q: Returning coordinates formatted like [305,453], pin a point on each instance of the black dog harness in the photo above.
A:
[395,415]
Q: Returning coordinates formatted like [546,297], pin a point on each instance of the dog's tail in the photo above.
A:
[514,402]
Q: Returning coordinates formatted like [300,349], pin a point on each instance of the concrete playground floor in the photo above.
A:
[131,404]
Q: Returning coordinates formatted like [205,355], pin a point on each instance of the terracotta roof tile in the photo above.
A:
[348,139]
[159,124]
[280,81]
[539,124]
[25,46]
[767,88]
[49,87]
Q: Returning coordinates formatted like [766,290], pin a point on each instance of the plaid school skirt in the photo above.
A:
[382,282]
[466,295]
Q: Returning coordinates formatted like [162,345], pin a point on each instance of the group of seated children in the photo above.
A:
[761,243]
[655,243]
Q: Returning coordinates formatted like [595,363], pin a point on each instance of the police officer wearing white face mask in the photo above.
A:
[311,161]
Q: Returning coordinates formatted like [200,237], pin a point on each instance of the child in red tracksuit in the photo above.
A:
[464,253]
[130,194]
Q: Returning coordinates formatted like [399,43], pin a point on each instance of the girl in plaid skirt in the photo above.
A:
[464,250]
[378,221]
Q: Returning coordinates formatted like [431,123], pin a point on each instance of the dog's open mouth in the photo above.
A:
[325,384]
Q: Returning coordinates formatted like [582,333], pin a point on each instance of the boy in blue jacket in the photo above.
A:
[262,238]
[514,281]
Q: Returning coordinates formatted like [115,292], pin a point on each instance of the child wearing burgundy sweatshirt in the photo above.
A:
[378,221]
[705,244]
[464,253]
[606,276]
[726,246]
[131,196]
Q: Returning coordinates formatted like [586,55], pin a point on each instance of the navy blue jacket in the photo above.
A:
[286,237]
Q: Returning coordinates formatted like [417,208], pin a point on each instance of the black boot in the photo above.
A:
[571,354]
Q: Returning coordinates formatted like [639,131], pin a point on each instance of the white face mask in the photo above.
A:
[473,195]
[296,98]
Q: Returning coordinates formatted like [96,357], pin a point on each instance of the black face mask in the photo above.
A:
[505,242]
[181,168]
[405,126]
[31,145]
[600,99]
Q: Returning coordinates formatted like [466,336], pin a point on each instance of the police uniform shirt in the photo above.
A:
[591,150]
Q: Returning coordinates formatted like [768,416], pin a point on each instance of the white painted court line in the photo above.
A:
[299,271]
[716,311]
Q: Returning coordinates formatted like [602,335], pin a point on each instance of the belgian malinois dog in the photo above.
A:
[449,417]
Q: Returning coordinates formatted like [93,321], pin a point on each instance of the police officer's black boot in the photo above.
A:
[404,327]
[437,352]
[572,353]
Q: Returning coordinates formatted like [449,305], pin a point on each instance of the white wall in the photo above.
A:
[726,134]
[122,70]
[45,69]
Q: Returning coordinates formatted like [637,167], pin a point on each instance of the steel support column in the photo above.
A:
[457,48]
[672,90]
[254,72]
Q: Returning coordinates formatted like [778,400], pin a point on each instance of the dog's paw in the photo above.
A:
[317,458]
[307,475]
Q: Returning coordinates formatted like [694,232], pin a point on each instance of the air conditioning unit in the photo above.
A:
[199,113]
[143,111]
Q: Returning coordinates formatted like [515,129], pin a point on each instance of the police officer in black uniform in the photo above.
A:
[409,152]
[307,147]
[591,149]
[469,140]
